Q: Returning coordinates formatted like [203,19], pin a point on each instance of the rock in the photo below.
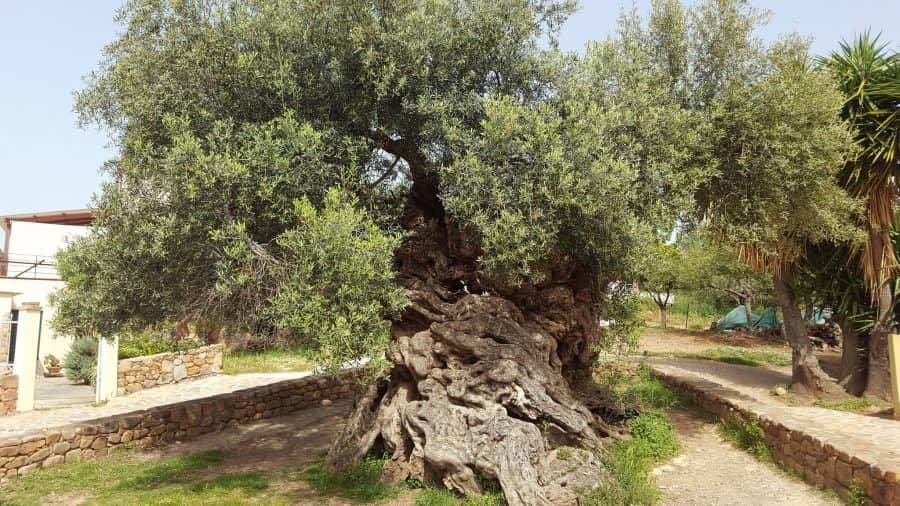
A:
[326,402]
[179,372]
[780,391]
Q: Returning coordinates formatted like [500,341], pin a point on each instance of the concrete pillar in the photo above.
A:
[894,355]
[107,369]
[26,353]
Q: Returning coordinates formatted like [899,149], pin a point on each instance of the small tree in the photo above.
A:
[661,274]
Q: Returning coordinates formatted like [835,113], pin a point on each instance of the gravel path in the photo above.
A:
[709,471]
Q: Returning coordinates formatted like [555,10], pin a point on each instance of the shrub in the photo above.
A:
[655,435]
[150,342]
[81,362]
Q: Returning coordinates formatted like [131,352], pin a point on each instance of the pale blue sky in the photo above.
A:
[46,46]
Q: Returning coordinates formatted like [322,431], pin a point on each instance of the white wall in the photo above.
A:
[28,239]
[44,240]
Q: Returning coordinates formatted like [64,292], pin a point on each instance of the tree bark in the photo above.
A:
[749,312]
[487,380]
[663,316]
[853,364]
[878,381]
[805,370]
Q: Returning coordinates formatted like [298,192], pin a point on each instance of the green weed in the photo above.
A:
[747,435]
[850,405]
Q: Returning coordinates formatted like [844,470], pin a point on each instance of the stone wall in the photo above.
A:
[138,373]
[9,393]
[96,438]
[819,463]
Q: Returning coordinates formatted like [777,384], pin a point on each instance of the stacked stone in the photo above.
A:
[159,425]
[819,463]
[9,393]
[135,374]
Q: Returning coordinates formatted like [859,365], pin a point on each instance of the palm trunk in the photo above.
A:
[878,382]
[805,370]
[853,364]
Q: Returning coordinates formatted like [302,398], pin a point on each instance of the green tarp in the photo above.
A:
[737,318]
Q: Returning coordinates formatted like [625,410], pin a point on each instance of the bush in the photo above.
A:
[655,435]
[151,342]
[81,362]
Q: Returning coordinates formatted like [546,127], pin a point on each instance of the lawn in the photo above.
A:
[733,355]
[126,479]
[266,361]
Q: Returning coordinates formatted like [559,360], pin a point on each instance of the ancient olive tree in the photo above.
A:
[316,169]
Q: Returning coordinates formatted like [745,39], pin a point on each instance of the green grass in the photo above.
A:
[122,479]
[441,497]
[850,405]
[747,435]
[360,484]
[265,361]
[637,390]
[734,355]
[631,461]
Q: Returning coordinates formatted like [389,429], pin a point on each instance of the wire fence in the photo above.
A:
[20,266]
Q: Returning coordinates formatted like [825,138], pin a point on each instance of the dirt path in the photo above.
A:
[709,471]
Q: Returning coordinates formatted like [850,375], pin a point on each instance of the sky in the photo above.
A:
[48,163]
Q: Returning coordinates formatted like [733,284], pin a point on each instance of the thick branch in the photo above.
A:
[424,192]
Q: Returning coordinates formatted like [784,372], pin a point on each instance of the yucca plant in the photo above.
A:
[867,71]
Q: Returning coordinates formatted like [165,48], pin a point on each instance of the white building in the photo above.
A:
[28,274]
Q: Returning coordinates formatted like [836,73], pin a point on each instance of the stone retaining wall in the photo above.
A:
[138,373]
[818,462]
[9,393]
[96,438]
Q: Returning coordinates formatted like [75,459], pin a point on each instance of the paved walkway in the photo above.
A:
[31,421]
[57,392]
[875,440]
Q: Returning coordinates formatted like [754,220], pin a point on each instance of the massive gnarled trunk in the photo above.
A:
[806,371]
[487,381]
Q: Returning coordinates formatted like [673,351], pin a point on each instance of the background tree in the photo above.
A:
[718,272]
[661,274]
[868,73]
[779,123]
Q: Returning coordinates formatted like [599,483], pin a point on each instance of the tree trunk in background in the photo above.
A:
[749,311]
[484,385]
[853,364]
[663,316]
[805,371]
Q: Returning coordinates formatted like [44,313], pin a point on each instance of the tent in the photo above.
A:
[737,318]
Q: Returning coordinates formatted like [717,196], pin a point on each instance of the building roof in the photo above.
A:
[68,217]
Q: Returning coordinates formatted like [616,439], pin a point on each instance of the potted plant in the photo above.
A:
[52,364]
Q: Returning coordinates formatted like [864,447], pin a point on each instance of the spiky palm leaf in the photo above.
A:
[868,72]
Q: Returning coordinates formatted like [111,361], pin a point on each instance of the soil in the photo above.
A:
[658,340]
[286,443]
[709,471]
